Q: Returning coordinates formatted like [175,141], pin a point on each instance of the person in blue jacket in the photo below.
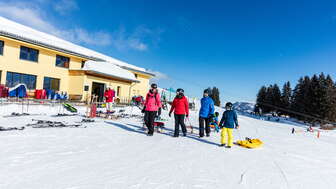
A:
[228,122]
[205,114]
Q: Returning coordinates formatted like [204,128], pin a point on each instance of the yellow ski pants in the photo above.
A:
[226,136]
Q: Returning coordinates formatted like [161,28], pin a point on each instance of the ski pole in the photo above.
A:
[191,127]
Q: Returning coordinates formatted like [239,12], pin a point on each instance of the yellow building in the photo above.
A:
[43,61]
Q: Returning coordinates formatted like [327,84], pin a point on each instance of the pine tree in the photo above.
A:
[325,98]
[286,97]
[312,105]
[261,98]
[269,100]
[276,97]
[331,114]
[216,96]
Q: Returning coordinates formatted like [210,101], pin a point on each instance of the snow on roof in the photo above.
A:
[109,69]
[20,30]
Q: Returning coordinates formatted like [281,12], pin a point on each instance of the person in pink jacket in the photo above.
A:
[152,107]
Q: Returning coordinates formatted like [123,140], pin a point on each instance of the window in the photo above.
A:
[51,83]
[13,79]
[62,61]
[29,54]
[2,44]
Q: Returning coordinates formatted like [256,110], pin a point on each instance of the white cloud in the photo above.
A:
[159,75]
[33,15]
[27,15]
[139,39]
[64,6]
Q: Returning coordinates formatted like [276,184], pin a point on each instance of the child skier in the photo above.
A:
[215,122]
[228,122]
[180,107]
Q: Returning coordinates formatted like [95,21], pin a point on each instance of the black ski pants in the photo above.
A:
[203,121]
[149,120]
[179,120]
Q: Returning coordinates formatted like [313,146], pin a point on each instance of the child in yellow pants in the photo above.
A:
[228,122]
[226,132]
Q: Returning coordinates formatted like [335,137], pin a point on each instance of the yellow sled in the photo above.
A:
[250,143]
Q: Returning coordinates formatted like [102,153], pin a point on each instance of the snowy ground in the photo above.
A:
[117,154]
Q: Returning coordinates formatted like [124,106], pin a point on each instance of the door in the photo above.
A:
[98,89]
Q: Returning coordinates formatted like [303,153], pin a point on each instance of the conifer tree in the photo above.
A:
[276,97]
[216,96]
[261,97]
[286,97]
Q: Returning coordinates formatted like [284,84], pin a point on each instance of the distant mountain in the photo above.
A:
[244,106]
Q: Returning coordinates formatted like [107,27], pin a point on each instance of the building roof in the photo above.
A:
[18,31]
[108,69]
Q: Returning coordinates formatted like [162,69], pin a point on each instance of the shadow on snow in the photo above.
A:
[139,129]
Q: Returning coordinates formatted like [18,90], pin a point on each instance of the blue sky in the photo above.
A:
[235,45]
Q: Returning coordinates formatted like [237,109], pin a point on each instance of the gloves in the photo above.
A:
[169,114]
[143,110]
[187,115]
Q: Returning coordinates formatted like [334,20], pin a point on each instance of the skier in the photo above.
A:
[228,122]
[180,107]
[205,114]
[215,122]
[109,95]
[151,108]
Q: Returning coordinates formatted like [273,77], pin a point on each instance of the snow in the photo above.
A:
[118,154]
[108,69]
[244,106]
[11,27]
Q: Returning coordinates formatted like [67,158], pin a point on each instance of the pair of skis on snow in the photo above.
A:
[51,124]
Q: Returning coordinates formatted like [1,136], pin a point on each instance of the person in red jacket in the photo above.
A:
[109,95]
[180,107]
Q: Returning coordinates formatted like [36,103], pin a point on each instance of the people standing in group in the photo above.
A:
[205,114]
[228,122]
[109,99]
[180,107]
[152,107]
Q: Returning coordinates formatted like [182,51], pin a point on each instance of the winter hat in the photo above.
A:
[154,86]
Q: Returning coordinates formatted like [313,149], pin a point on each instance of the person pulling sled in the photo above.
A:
[228,122]
[180,107]
[152,107]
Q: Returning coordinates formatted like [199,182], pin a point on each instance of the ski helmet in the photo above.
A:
[180,91]
[228,105]
[206,91]
[154,86]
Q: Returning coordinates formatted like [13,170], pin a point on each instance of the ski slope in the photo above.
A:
[118,154]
